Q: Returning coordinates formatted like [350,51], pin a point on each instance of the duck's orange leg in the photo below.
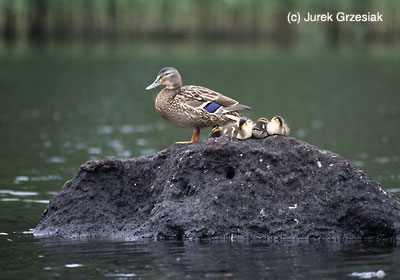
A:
[195,137]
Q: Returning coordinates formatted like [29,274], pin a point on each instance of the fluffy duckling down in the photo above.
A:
[278,126]
[240,129]
[260,128]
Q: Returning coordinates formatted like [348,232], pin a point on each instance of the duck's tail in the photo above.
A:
[237,107]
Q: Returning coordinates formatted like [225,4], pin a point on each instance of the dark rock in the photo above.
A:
[271,188]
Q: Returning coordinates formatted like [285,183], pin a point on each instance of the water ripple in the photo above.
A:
[46,178]
[80,146]
[126,129]
[52,193]
[106,129]
[301,132]
[72,265]
[316,124]
[57,159]
[359,163]
[141,142]
[20,179]
[118,275]
[47,144]
[141,128]
[125,154]
[10,199]
[384,160]
[37,201]
[94,150]
[393,190]
[144,152]
[18,193]
[117,145]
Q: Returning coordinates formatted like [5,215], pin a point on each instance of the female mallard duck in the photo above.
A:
[277,126]
[193,107]
[260,128]
[241,129]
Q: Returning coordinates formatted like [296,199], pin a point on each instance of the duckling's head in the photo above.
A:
[278,120]
[243,122]
[216,131]
[262,121]
[168,77]
[277,125]
[245,127]
[260,128]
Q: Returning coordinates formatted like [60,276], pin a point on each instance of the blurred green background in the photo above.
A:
[199,20]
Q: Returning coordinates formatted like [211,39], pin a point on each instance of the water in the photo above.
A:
[52,258]
[61,106]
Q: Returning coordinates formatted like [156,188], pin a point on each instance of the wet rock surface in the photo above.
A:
[271,188]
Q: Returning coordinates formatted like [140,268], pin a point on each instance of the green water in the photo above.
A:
[61,106]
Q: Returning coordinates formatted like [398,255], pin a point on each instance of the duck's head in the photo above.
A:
[168,77]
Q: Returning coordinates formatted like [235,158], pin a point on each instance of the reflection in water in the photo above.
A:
[199,260]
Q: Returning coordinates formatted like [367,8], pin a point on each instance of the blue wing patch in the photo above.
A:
[212,107]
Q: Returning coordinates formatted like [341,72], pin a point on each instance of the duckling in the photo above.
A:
[216,131]
[193,107]
[241,129]
[244,128]
[260,128]
[277,126]
[230,129]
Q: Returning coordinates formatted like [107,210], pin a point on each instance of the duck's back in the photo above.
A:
[203,94]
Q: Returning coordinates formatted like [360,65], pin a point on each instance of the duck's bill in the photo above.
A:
[156,83]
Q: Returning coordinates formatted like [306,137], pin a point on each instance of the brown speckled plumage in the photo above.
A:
[185,106]
[172,106]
